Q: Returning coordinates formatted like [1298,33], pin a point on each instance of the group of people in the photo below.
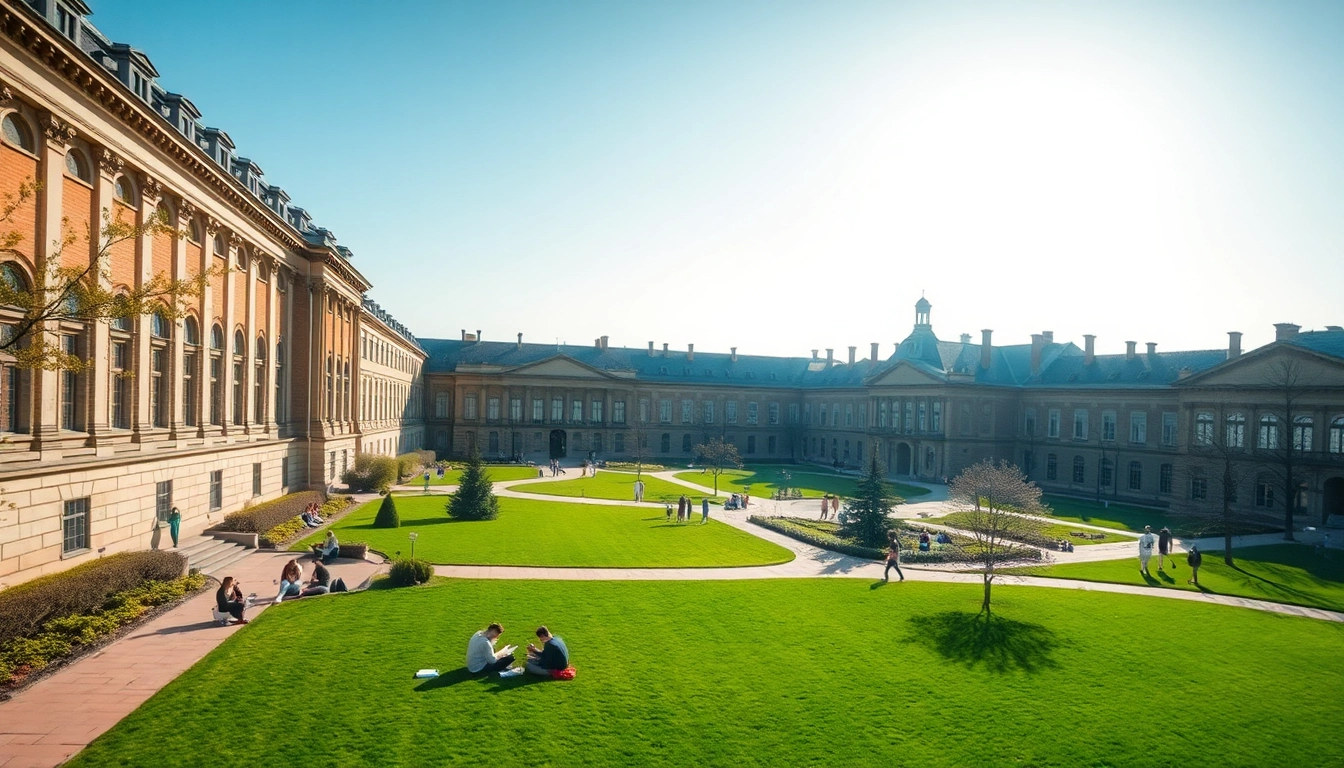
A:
[737,501]
[686,508]
[1165,544]
[556,469]
[1064,545]
[291,582]
[550,659]
[926,540]
[312,515]
[830,505]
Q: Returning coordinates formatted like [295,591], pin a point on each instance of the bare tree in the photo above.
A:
[637,444]
[1288,382]
[717,456]
[1222,456]
[996,499]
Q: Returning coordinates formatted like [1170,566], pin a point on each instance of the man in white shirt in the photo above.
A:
[481,653]
[639,491]
[1146,542]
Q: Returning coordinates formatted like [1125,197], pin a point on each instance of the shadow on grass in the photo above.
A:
[975,639]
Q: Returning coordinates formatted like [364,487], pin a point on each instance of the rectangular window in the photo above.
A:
[1079,469]
[824,411]
[707,411]
[771,443]
[807,413]
[1168,429]
[492,408]
[1264,494]
[835,415]
[849,414]
[1029,422]
[643,410]
[256,479]
[597,441]
[69,387]
[217,485]
[665,411]
[1108,425]
[730,411]
[937,417]
[576,410]
[596,413]
[751,413]
[1138,428]
[557,409]
[1135,476]
[1052,423]
[1080,424]
[515,409]
[910,416]
[538,409]
[163,501]
[793,414]
[618,412]
[238,414]
[751,443]
[493,442]
[965,419]
[469,407]
[189,389]
[882,414]
[1107,473]
[1164,479]
[1199,488]
[618,442]
[1051,467]
[772,413]
[923,416]
[686,411]
[284,472]
[75,526]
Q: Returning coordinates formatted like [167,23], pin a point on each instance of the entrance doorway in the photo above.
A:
[1334,498]
[559,443]
[903,459]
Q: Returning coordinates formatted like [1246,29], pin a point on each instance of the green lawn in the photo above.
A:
[818,672]
[762,482]
[1120,516]
[499,473]
[1284,573]
[613,485]
[1049,530]
[553,533]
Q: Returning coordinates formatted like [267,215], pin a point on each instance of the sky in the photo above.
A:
[783,176]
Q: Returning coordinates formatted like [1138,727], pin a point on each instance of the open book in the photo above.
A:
[505,651]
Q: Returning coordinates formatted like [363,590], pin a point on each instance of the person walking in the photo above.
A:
[681,508]
[835,507]
[1146,542]
[1164,541]
[893,556]
[825,505]
[174,525]
[704,511]
[1194,559]
[639,491]
[667,507]
[426,480]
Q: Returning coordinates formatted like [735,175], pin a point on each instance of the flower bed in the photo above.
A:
[268,514]
[826,535]
[293,528]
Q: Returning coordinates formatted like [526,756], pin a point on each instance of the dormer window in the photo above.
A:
[140,85]
[67,22]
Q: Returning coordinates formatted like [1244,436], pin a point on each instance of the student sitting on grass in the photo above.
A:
[551,657]
[481,653]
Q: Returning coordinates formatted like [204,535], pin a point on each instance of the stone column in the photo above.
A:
[46,417]
[184,212]
[272,273]
[143,419]
[206,392]
[232,243]
[250,339]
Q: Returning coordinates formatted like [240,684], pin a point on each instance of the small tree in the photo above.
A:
[992,496]
[717,456]
[866,514]
[475,496]
[387,514]
[1224,451]
[637,443]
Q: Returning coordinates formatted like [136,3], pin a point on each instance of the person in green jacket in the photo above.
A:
[174,525]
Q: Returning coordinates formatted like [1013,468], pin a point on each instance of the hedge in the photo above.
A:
[371,473]
[59,637]
[810,532]
[82,589]
[632,466]
[407,572]
[291,528]
[268,514]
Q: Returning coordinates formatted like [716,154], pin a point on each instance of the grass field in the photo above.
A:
[763,482]
[1120,516]
[613,485]
[1050,530]
[552,533]
[1284,573]
[497,474]
[818,672]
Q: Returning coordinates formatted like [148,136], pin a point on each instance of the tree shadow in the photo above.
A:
[975,639]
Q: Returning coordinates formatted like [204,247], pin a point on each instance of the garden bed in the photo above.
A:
[824,534]
[278,536]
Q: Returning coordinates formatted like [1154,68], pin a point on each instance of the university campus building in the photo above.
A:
[285,368]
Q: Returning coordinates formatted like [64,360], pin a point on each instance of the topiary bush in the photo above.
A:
[387,514]
[371,473]
[475,497]
[267,515]
[408,572]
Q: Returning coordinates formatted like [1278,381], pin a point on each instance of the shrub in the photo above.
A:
[82,589]
[268,514]
[824,535]
[408,464]
[475,497]
[387,514]
[408,572]
[371,473]
[292,528]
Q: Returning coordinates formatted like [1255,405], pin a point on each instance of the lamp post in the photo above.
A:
[413,536]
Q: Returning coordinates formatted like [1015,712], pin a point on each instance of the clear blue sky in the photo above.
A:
[786,176]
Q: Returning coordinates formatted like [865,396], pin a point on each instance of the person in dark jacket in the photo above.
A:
[229,599]
[552,656]
[1164,550]
[1194,559]
[893,556]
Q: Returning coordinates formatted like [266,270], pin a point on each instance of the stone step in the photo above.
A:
[203,551]
[221,558]
[196,544]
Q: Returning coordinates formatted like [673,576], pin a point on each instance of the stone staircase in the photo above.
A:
[211,556]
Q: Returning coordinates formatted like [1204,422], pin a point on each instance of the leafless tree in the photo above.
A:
[637,445]
[717,456]
[996,499]
[1288,382]
[1222,457]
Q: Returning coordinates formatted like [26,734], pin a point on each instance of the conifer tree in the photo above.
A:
[865,516]
[387,514]
[475,497]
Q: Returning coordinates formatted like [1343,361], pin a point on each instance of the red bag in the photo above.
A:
[563,674]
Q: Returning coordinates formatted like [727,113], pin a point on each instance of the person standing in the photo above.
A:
[639,491]
[681,508]
[1194,559]
[667,507]
[825,505]
[426,480]
[174,525]
[704,511]
[835,507]
[1164,540]
[1146,542]
[893,556]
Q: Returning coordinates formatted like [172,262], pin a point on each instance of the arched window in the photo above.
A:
[17,132]
[259,382]
[124,191]
[1303,429]
[239,343]
[191,332]
[221,245]
[13,276]
[665,443]
[194,233]
[160,327]
[685,443]
[1269,433]
[1337,435]
[76,165]
[279,382]
[261,350]
[217,338]
[1204,428]
[1235,434]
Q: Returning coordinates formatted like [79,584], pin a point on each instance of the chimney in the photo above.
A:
[1037,344]
[479,337]
[650,349]
[830,356]
[1233,344]
[874,353]
[664,349]
[1129,349]
[604,343]
[1285,331]
[851,355]
[985,348]
[965,338]
[733,354]
[1089,348]
[814,354]
[1049,336]
[520,341]
[597,343]
[690,352]
[464,334]
[1152,349]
